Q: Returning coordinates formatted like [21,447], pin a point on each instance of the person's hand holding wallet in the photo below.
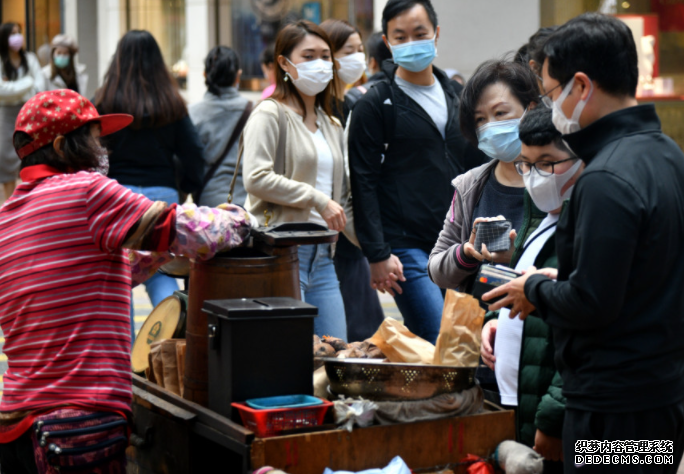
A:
[491,240]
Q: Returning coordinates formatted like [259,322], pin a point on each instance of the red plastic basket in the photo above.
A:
[267,423]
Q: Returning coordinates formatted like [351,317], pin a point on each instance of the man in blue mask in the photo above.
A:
[405,147]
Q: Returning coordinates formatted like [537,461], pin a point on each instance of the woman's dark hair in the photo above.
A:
[395,8]
[536,46]
[138,83]
[522,56]
[8,69]
[287,40]
[377,49]
[221,67]
[598,45]
[81,151]
[519,79]
[267,56]
[339,32]
[536,129]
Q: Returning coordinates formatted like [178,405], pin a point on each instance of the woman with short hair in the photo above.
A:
[216,117]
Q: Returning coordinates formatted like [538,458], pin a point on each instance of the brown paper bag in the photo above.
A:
[460,334]
[170,365]
[401,345]
[180,358]
[156,362]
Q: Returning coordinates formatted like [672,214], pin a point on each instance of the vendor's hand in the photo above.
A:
[503,258]
[514,292]
[469,247]
[334,216]
[549,447]
[487,347]
[385,275]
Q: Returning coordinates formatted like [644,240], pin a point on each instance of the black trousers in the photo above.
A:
[361,303]
[666,424]
[17,457]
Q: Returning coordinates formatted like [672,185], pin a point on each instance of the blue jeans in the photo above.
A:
[158,286]
[422,301]
[320,287]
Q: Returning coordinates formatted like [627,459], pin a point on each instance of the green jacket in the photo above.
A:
[540,402]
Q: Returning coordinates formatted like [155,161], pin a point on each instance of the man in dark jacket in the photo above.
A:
[405,146]
[617,307]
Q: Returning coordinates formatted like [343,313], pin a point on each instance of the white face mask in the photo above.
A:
[352,67]
[314,76]
[563,124]
[545,191]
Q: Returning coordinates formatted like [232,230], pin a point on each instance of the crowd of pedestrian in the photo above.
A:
[370,139]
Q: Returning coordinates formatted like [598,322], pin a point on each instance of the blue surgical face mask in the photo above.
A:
[61,60]
[415,56]
[499,140]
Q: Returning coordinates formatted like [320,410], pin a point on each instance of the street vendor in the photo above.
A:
[65,280]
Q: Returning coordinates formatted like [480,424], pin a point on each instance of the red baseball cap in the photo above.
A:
[58,112]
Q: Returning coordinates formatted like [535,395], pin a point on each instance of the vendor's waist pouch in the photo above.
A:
[80,441]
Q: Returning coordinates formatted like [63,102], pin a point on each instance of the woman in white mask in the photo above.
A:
[293,167]
[20,79]
[350,59]
[361,303]
[523,355]
[492,103]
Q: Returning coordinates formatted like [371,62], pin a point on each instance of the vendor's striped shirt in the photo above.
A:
[65,291]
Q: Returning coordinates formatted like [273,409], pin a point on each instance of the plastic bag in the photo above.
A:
[460,335]
[401,345]
[516,458]
[350,411]
[396,466]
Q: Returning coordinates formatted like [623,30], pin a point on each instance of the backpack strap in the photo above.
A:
[388,116]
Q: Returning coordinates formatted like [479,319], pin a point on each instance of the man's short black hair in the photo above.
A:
[536,129]
[519,79]
[377,49]
[395,8]
[598,45]
[535,46]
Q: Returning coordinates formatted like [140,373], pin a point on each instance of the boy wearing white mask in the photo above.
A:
[522,357]
[405,146]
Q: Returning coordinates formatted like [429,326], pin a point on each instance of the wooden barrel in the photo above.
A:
[240,273]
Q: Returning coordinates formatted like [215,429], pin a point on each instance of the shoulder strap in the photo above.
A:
[388,117]
[233,138]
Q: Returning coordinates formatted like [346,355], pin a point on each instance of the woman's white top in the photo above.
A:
[509,331]
[28,83]
[324,174]
[58,82]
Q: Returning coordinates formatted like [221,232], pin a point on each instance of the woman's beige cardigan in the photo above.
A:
[291,197]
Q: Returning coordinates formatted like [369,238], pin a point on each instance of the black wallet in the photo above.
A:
[494,234]
[490,277]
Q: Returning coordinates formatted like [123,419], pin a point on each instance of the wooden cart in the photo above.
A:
[173,435]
